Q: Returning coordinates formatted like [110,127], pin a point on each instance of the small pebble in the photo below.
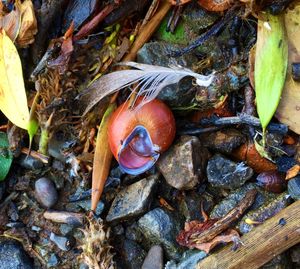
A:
[53,261]
[45,192]
[294,187]
[63,242]
[154,258]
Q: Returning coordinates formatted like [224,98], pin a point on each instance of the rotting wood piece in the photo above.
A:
[262,244]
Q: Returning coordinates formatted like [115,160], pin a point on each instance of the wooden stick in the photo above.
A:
[147,31]
[262,244]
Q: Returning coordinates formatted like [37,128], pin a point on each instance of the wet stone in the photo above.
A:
[279,262]
[231,201]
[45,192]
[159,227]
[224,141]
[12,255]
[156,53]
[131,254]
[154,258]
[189,259]
[264,212]
[84,205]
[53,261]
[132,201]
[190,205]
[294,187]
[224,173]
[183,165]
[30,163]
[133,233]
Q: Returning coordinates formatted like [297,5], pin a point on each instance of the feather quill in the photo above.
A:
[149,80]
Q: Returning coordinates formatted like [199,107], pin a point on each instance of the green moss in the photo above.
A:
[178,37]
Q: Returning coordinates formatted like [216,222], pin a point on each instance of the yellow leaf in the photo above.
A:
[13,101]
[288,111]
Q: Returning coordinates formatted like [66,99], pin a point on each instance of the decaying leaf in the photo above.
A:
[288,111]
[13,101]
[11,23]
[20,24]
[102,158]
[270,65]
[149,79]
[206,235]
[28,27]
[292,172]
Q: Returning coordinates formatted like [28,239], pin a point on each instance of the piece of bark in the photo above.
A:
[261,245]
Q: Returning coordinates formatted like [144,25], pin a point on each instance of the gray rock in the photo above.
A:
[45,192]
[159,227]
[264,212]
[231,201]
[132,255]
[84,205]
[183,165]
[191,203]
[295,254]
[189,259]
[224,141]
[133,233]
[30,163]
[132,201]
[154,258]
[198,18]
[12,255]
[294,187]
[156,53]
[53,261]
[224,173]
[279,262]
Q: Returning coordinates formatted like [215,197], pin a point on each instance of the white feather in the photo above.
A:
[150,80]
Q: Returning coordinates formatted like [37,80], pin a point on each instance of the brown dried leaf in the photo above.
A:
[227,237]
[28,27]
[292,172]
[288,111]
[11,23]
[102,158]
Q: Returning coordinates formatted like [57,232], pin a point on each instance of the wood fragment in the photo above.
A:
[71,218]
[224,223]
[262,244]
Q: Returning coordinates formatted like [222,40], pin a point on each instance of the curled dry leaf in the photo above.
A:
[215,5]
[20,24]
[13,101]
[149,79]
[292,172]
[206,235]
[28,28]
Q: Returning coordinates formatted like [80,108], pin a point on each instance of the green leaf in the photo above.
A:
[270,65]
[6,156]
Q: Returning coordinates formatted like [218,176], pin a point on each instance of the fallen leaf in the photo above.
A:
[11,23]
[28,28]
[288,111]
[102,158]
[226,237]
[270,66]
[292,172]
[13,101]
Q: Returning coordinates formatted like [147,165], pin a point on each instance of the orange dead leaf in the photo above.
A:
[102,158]
[250,155]
[292,172]
[215,5]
